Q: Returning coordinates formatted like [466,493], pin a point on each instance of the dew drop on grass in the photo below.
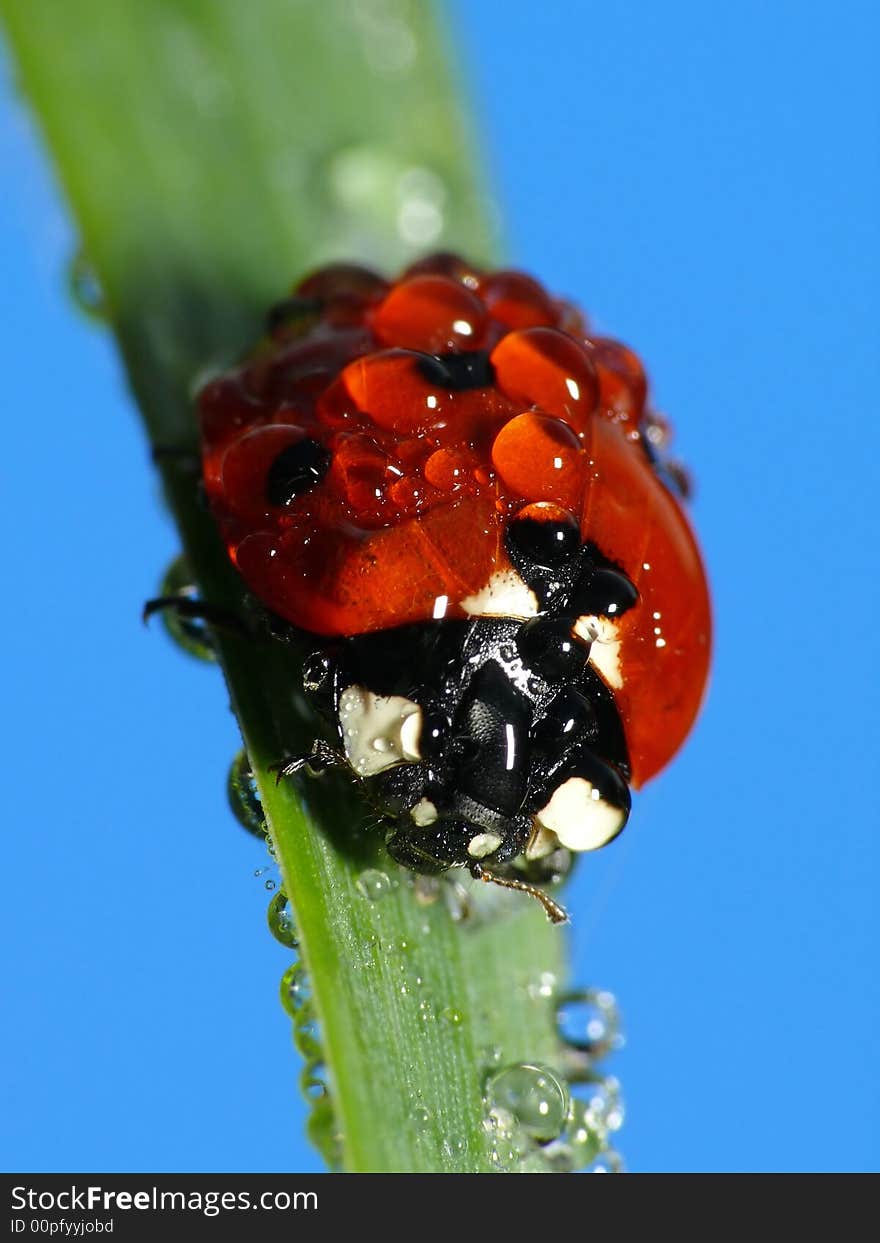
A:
[85,287]
[532,1096]
[296,997]
[608,1162]
[373,884]
[588,1026]
[295,990]
[543,986]
[603,1106]
[578,1145]
[534,1162]
[307,1035]
[589,1021]
[420,1118]
[314,1089]
[189,633]
[508,1143]
[280,919]
[324,1132]
[244,798]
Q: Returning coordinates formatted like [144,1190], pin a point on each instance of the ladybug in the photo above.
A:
[461,494]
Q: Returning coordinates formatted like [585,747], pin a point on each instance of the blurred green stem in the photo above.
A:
[210,151]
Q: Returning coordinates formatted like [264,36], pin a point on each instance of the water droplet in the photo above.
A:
[360,179]
[295,989]
[508,1143]
[313,1086]
[420,1118]
[603,1106]
[244,798]
[324,1132]
[450,1149]
[542,987]
[280,919]
[589,1021]
[86,288]
[457,901]
[270,885]
[532,1096]
[421,197]
[373,884]
[307,1035]
[534,1162]
[452,1016]
[559,1158]
[322,1126]
[608,1162]
[388,39]
[578,1145]
[189,633]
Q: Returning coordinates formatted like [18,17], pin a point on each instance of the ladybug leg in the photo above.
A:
[215,615]
[555,913]
[321,757]
[425,851]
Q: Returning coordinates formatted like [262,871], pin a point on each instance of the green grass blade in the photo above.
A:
[211,150]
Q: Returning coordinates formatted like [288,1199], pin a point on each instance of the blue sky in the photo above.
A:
[705,181]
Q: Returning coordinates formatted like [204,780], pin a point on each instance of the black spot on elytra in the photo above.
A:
[295,470]
[533,543]
[457,372]
[603,591]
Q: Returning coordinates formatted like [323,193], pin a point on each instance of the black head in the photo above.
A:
[463,731]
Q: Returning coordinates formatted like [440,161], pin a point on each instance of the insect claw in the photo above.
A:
[321,757]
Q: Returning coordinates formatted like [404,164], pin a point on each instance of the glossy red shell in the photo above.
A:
[408,521]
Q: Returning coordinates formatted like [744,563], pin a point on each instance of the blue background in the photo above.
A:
[705,180]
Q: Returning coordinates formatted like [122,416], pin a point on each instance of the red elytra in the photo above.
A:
[428,462]
[517,301]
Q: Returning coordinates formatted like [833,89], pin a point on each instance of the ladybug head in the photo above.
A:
[472,755]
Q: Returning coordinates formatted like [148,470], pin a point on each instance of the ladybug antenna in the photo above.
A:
[555,913]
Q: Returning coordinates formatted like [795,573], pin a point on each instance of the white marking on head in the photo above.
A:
[410,735]
[483,844]
[505,595]
[423,813]
[580,817]
[541,843]
[378,731]
[603,635]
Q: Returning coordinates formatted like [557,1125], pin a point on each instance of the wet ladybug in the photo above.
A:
[461,493]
